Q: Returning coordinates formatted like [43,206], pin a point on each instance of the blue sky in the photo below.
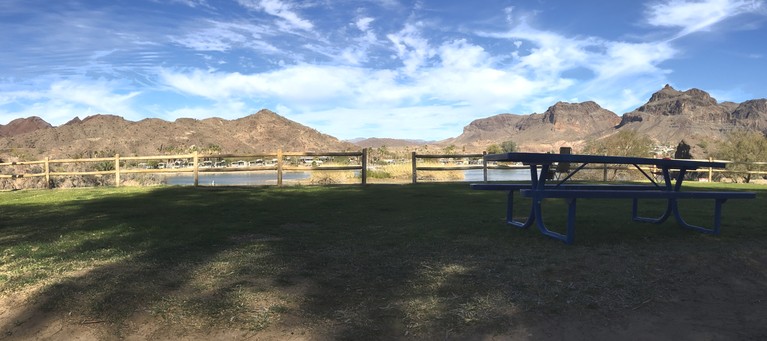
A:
[369,68]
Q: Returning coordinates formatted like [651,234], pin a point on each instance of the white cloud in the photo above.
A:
[462,84]
[231,109]
[551,53]
[303,86]
[407,122]
[438,86]
[224,36]
[363,24]
[281,9]
[63,100]
[694,16]
[609,70]
[357,51]
[353,56]
[627,59]
[192,3]
[411,47]
[441,88]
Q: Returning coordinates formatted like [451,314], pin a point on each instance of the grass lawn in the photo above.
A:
[377,262]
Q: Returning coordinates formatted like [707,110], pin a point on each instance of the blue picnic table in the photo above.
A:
[673,172]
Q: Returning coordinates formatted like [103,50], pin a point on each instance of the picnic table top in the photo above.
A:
[546,158]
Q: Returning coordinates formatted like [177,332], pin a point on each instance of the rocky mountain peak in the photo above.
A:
[751,114]
[665,93]
[73,121]
[573,112]
[500,120]
[560,123]
[23,125]
[693,115]
[755,108]
[670,102]
[103,118]
[267,113]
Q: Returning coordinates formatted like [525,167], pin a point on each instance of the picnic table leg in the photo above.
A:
[671,206]
[567,238]
[717,218]
[539,182]
[510,214]
[635,212]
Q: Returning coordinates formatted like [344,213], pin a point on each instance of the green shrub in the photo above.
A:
[379,174]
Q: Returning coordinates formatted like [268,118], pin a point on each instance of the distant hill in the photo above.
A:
[101,135]
[375,142]
[750,114]
[562,124]
[21,126]
[668,117]
[671,115]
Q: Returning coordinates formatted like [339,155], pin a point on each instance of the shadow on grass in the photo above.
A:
[339,262]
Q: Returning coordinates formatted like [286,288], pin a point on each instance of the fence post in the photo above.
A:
[364,171]
[196,165]
[279,167]
[484,166]
[604,172]
[710,170]
[415,171]
[47,172]
[117,170]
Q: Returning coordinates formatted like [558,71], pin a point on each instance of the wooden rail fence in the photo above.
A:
[605,168]
[445,162]
[279,166]
[482,163]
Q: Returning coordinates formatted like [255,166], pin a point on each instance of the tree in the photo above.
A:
[743,148]
[380,153]
[509,146]
[494,149]
[450,149]
[623,143]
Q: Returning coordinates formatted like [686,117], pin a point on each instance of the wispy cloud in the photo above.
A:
[694,16]
[374,68]
[449,81]
[363,24]
[64,99]
[290,20]
[192,3]
[454,80]
[224,36]
[412,48]
[613,66]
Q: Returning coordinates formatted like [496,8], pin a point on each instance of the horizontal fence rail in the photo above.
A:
[195,167]
[416,156]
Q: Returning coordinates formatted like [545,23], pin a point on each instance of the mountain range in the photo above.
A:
[105,135]
[668,117]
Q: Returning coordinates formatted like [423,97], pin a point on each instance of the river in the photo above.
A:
[270,177]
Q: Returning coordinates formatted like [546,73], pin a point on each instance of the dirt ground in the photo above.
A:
[730,307]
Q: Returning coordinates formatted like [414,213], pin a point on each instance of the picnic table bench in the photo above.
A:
[670,189]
